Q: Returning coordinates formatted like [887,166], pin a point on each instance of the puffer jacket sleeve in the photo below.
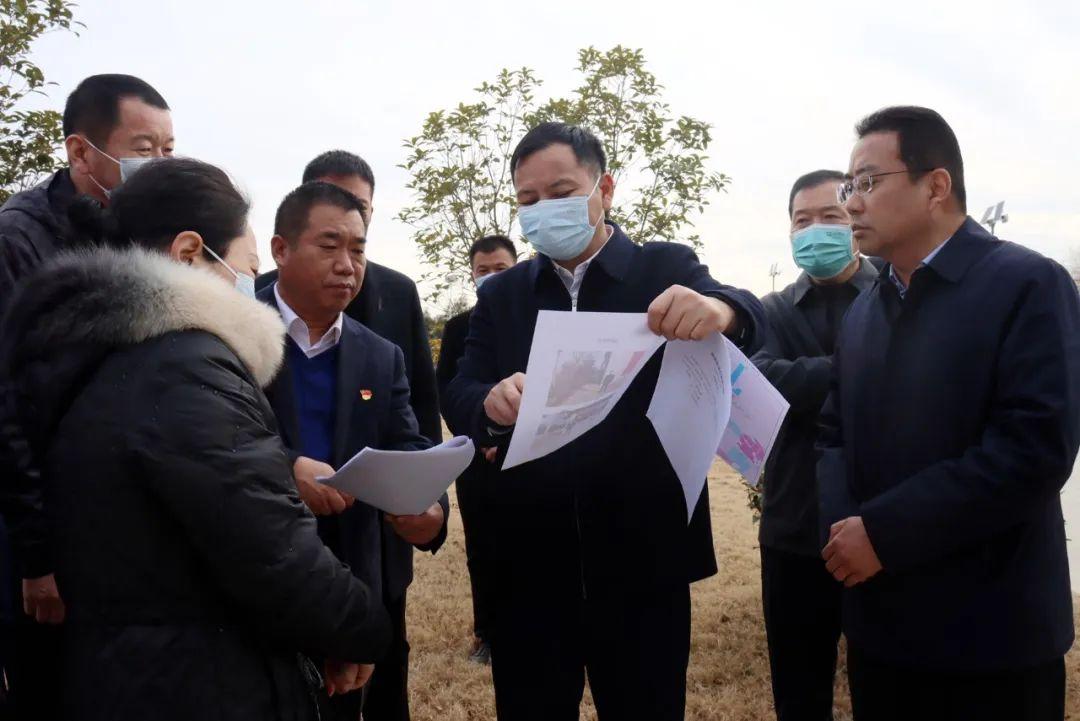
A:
[210,455]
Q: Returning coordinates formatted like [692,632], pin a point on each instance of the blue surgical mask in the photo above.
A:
[559,228]
[481,279]
[245,284]
[128,166]
[823,251]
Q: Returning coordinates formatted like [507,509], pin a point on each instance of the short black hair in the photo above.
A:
[812,180]
[587,147]
[341,163]
[491,243]
[161,200]
[93,108]
[292,215]
[926,142]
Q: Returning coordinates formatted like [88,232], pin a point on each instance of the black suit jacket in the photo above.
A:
[386,421]
[604,514]
[451,349]
[796,364]
[952,425]
[389,305]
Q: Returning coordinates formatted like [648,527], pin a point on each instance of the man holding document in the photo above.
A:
[342,388]
[595,550]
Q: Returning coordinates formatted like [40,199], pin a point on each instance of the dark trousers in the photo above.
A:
[474,489]
[33,670]
[635,649]
[386,697]
[388,692]
[883,692]
[802,604]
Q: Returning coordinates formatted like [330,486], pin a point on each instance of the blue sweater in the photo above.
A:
[315,391]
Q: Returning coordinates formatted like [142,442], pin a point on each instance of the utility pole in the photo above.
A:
[774,270]
[995,214]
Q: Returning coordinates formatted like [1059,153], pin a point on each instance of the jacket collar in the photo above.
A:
[864,278]
[960,252]
[614,258]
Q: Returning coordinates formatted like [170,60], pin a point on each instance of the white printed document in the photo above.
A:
[709,399]
[579,367]
[403,482]
[690,408]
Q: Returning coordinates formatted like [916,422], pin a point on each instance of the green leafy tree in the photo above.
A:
[29,139]
[460,161]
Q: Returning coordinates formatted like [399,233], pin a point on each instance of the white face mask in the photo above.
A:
[244,283]
[560,227]
[128,166]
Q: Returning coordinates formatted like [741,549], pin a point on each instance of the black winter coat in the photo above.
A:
[193,575]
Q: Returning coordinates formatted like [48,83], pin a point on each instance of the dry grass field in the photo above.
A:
[729,669]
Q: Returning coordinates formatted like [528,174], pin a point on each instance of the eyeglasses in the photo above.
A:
[863,184]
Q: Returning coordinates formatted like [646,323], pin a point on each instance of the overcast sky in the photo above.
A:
[260,88]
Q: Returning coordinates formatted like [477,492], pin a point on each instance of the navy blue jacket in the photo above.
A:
[604,513]
[952,425]
[386,421]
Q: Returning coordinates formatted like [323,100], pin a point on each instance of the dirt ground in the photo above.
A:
[729,668]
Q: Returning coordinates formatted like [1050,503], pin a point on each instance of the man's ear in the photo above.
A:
[607,190]
[77,150]
[940,185]
[279,250]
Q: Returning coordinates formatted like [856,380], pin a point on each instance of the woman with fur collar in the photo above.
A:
[194,581]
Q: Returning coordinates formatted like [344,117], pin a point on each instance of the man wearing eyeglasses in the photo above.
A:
[952,424]
[800,599]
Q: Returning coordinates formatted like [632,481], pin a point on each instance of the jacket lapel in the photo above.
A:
[351,372]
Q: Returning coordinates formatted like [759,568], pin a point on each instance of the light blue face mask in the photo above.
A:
[480,280]
[244,283]
[128,166]
[823,251]
[559,228]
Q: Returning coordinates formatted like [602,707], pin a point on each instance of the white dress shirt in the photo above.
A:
[572,281]
[298,330]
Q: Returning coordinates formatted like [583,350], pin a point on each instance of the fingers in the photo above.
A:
[836,527]
[659,308]
[504,400]
[685,329]
[334,500]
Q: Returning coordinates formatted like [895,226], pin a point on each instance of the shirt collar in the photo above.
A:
[862,279]
[300,333]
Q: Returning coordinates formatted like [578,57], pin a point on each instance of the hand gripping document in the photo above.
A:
[709,399]
[403,483]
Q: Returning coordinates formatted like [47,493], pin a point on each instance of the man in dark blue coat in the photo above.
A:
[951,427]
[389,305]
[342,388]
[595,552]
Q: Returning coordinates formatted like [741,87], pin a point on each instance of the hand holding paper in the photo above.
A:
[403,483]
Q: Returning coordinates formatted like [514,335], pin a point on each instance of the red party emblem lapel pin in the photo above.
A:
[365,394]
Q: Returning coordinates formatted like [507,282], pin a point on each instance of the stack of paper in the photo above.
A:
[403,483]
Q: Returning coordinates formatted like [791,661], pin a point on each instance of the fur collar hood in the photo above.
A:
[109,298]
